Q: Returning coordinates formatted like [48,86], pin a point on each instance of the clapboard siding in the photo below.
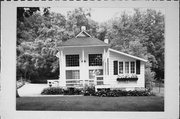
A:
[84,67]
[112,78]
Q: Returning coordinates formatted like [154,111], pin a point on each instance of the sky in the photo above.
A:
[102,14]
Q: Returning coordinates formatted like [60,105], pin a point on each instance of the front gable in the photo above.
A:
[83,34]
[83,39]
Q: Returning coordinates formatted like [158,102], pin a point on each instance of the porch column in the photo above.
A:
[62,79]
[82,70]
[59,58]
[104,66]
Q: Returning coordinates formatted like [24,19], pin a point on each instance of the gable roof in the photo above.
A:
[128,55]
[83,39]
[83,34]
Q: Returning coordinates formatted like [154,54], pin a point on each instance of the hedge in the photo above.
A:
[90,91]
[118,93]
[60,91]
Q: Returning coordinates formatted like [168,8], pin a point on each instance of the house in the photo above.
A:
[85,60]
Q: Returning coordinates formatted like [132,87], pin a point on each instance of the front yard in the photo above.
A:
[91,103]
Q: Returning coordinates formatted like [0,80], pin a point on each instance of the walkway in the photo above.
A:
[30,90]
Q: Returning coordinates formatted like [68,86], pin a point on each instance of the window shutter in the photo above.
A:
[138,64]
[115,63]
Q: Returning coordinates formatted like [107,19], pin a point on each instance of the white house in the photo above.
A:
[85,60]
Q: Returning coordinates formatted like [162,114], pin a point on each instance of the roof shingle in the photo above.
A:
[83,41]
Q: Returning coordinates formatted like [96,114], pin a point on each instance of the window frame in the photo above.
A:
[67,78]
[95,75]
[90,61]
[127,68]
[132,67]
[74,61]
[122,67]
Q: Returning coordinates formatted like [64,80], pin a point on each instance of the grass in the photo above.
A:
[90,103]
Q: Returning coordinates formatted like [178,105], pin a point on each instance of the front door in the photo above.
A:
[95,68]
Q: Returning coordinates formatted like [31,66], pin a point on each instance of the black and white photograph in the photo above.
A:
[106,59]
[90,59]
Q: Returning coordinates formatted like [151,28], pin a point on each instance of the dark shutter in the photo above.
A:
[115,63]
[138,64]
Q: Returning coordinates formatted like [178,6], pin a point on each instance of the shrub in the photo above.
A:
[89,91]
[52,91]
[72,91]
[149,78]
[60,91]
[117,93]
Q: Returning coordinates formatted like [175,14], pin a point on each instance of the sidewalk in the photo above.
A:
[34,90]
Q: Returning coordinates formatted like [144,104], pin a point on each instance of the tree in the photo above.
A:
[39,36]
[25,32]
[140,34]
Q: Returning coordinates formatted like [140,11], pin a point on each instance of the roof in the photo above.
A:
[83,34]
[128,55]
[83,39]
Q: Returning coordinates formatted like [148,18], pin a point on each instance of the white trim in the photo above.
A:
[58,54]
[82,32]
[127,55]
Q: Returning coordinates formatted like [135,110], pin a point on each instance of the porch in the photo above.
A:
[82,66]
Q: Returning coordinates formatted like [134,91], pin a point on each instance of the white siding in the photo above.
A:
[84,66]
[131,84]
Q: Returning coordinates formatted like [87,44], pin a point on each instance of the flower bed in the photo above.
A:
[127,77]
[60,91]
[118,93]
[90,91]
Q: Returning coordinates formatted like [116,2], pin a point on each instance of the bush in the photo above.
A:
[60,91]
[118,93]
[89,91]
[149,78]
[72,91]
[52,91]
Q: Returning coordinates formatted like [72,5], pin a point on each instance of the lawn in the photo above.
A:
[91,103]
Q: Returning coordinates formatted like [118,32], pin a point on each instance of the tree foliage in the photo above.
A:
[40,31]
[141,34]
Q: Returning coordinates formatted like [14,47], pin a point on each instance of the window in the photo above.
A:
[100,83]
[95,72]
[115,63]
[121,67]
[99,78]
[132,67]
[95,59]
[72,60]
[72,74]
[126,67]
[69,84]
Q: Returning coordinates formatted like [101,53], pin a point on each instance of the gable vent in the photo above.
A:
[83,28]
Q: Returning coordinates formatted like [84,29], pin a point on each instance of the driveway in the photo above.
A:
[29,90]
